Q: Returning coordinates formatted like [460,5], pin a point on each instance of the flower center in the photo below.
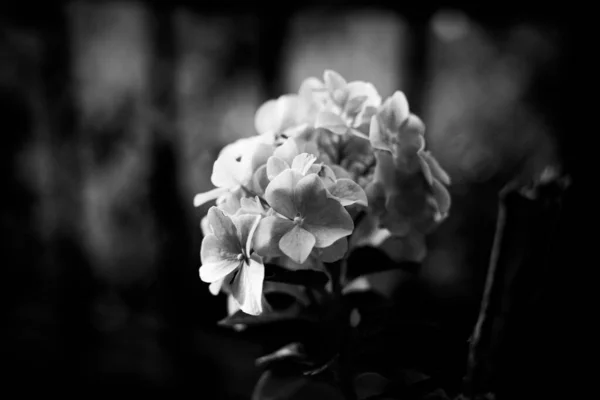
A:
[240,257]
[298,219]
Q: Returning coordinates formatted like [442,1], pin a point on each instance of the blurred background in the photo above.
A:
[113,113]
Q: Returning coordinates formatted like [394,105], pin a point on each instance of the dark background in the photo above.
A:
[114,112]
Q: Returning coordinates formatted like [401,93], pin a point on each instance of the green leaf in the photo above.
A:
[275,273]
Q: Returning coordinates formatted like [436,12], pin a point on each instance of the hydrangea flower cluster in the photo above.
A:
[291,194]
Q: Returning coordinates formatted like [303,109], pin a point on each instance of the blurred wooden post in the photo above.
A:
[175,275]
[508,347]
[112,61]
[73,283]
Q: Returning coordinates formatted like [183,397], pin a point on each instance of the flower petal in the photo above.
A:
[275,166]
[411,137]
[394,111]
[231,167]
[339,172]
[266,119]
[376,137]
[214,250]
[297,244]
[302,162]
[230,202]
[324,216]
[425,168]
[335,252]
[280,193]
[327,175]
[334,81]
[260,181]
[269,232]
[436,169]
[287,151]
[214,271]
[376,194]
[251,205]
[442,197]
[223,228]
[363,119]
[247,286]
[348,192]
[332,122]
[261,154]
[355,104]
[202,198]
[308,86]
[215,287]
[361,88]
[246,226]
[288,109]
[205,227]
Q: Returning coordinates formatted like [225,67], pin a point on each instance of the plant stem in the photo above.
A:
[336,272]
[474,348]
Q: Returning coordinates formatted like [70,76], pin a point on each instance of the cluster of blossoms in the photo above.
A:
[291,194]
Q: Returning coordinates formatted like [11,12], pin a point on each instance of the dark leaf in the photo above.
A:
[413,384]
[369,384]
[368,260]
[295,293]
[275,273]
[272,386]
[279,386]
[375,315]
[294,312]
[292,352]
[320,368]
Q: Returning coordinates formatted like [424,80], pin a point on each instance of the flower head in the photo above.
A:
[235,166]
[307,217]
[408,187]
[227,257]
[345,107]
